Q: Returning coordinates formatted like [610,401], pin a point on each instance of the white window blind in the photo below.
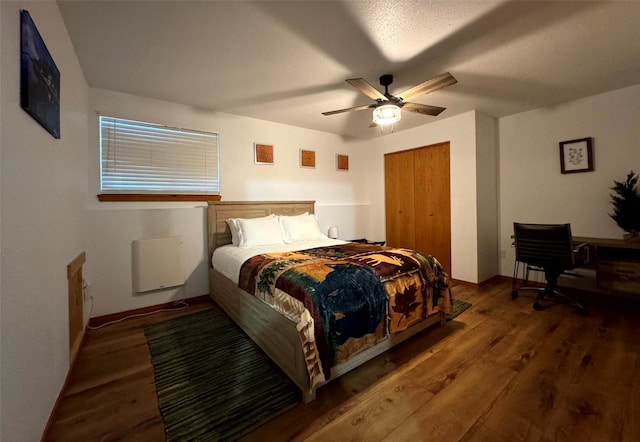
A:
[140,157]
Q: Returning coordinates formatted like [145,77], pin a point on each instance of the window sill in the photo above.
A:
[130,197]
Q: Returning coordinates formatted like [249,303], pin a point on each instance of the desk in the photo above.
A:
[616,263]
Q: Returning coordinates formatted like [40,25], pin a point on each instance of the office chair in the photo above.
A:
[547,248]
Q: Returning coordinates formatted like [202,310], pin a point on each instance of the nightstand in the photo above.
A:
[366,241]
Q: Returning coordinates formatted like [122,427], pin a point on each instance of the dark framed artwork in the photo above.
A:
[39,78]
[576,155]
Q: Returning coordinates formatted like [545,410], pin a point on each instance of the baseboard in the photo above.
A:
[494,279]
[479,285]
[54,411]
[461,282]
[100,320]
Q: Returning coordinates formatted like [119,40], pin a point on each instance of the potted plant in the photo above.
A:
[626,206]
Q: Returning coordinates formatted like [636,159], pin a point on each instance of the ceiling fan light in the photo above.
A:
[386,114]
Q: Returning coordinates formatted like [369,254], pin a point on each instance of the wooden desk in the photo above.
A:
[607,242]
[616,263]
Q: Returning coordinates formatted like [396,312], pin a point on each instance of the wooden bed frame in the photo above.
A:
[274,333]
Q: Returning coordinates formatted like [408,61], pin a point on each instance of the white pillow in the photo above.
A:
[300,228]
[235,232]
[255,232]
[234,227]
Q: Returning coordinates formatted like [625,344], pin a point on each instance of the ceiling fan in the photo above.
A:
[386,109]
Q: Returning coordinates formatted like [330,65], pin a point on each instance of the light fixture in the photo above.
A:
[386,114]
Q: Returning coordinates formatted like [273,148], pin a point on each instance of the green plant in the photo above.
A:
[626,204]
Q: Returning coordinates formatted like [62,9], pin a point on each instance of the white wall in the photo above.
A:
[532,189]
[43,226]
[460,131]
[487,192]
[342,198]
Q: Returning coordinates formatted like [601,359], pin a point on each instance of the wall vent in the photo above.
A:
[157,263]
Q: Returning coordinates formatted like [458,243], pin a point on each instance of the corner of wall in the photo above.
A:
[488,195]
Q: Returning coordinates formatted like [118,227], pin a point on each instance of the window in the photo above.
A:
[151,159]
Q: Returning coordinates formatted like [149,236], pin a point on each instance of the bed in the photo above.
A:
[285,339]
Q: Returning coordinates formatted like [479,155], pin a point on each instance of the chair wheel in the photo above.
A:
[538,306]
[514,294]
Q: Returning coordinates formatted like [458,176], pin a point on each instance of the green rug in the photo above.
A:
[458,307]
[212,381]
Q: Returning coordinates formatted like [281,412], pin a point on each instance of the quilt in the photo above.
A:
[348,297]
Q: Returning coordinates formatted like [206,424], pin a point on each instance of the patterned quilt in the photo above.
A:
[347,297]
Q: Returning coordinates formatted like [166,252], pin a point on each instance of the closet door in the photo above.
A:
[399,199]
[433,202]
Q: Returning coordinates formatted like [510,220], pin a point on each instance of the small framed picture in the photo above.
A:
[576,155]
[342,162]
[308,159]
[263,153]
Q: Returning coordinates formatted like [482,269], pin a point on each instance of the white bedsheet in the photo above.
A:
[229,258]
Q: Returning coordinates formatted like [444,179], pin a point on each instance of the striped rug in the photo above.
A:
[212,381]
[458,307]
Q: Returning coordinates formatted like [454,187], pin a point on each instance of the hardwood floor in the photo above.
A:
[500,371]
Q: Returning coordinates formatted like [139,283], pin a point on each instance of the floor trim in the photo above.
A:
[100,320]
[54,411]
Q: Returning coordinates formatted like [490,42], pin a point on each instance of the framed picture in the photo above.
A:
[263,153]
[342,162]
[39,78]
[576,155]
[308,158]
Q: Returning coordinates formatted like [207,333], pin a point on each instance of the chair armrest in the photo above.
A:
[583,250]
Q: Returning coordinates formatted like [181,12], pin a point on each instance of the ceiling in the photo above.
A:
[286,62]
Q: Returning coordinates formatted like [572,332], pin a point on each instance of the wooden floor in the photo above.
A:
[500,371]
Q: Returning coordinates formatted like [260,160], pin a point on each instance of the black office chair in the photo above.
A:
[547,248]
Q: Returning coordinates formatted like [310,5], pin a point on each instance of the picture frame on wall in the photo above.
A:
[307,159]
[576,155]
[342,162]
[39,78]
[263,153]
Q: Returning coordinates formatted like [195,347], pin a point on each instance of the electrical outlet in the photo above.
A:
[86,290]
[503,254]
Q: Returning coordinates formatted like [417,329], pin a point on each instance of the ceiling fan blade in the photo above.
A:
[366,88]
[350,109]
[431,85]
[423,109]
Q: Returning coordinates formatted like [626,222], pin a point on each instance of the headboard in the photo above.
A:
[219,211]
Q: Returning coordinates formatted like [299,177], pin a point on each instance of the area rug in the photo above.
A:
[458,307]
[212,381]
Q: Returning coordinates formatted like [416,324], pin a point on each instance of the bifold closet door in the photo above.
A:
[418,200]
[399,199]
[433,202]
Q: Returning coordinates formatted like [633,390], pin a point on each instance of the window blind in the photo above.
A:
[141,157]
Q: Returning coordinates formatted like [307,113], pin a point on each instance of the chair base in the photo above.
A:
[549,291]
[557,297]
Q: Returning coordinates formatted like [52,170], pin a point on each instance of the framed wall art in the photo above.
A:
[263,153]
[308,158]
[342,162]
[39,78]
[576,155]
